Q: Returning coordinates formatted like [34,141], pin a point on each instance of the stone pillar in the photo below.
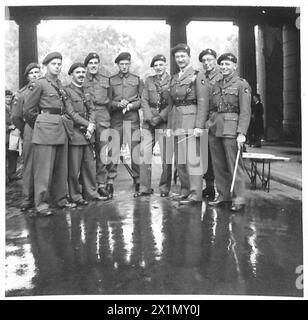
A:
[247,53]
[177,35]
[291,83]
[272,52]
[27,44]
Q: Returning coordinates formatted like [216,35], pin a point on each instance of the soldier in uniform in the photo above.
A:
[44,111]
[81,150]
[229,117]
[154,105]
[181,121]
[97,83]
[32,72]
[126,90]
[210,74]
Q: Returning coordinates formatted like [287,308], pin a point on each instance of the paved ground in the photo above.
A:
[153,246]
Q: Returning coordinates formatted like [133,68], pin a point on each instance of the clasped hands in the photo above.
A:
[90,130]
[125,105]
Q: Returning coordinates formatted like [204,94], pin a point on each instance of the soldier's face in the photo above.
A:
[182,59]
[227,67]
[8,99]
[54,67]
[78,75]
[208,62]
[159,67]
[93,66]
[34,74]
[124,66]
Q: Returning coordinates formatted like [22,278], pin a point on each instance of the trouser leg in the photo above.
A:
[230,146]
[220,166]
[166,175]
[135,153]
[180,162]
[74,160]
[59,188]
[43,164]
[146,145]
[114,152]
[28,176]
[12,157]
[87,172]
[209,175]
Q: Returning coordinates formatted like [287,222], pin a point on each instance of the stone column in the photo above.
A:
[247,53]
[27,44]
[291,83]
[177,35]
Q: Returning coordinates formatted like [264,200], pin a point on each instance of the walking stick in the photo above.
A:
[129,170]
[235,168]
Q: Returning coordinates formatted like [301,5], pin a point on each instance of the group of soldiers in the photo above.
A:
[72,135]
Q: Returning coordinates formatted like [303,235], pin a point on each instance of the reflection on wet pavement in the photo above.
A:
[153,246]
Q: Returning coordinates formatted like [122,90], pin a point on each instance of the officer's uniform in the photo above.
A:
[81,162]
[210,78]
[125,86]
[99,87]
[229,115]
[181,120]
[154,103]
[27,152]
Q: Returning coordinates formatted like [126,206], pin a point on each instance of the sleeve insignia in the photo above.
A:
[246,90]
[203,82]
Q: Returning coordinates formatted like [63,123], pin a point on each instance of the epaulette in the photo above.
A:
[31,85]
[104,75]
[22,89]
[113,76]
[134,75]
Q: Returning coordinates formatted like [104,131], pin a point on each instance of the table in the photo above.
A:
[254,172]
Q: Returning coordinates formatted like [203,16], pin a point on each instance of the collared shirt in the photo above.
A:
[182,71]
[98,86]
[155,90]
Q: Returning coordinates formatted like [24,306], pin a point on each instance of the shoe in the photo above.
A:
[44,213]
[179,197]
[109,189]
[81,202]
[164,194]
[142,194]
[103,192]
[209,193]
[190,201]
[219,200]
[236,207]
[26,206]
[65,204]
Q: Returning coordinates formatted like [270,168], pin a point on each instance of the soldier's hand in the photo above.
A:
[155,120]
[129,106]
[12,127]
[198,132]
[91,127]
[88,135]
[122,104]
[240,139]
[168,133]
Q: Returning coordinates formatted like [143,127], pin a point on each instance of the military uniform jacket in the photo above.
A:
[99,88]
[154,100]
[8,122]
[125,86]
[17,107]
[43,97]
[233,93]
[84,112]
[183,117]
[204,84]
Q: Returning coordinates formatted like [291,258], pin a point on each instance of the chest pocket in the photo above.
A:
[132,82]
[231,91]
[78,104]
[104,83]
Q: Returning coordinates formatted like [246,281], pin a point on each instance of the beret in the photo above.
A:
[75,66]
[123,56]
[227,56]
[8,93]
[207,51]
[158,57]
[31,66]
[91,55]
[50,56]
[181,47]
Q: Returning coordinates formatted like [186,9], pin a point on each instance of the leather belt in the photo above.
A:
[52,111]
[156,106]
[101,106]
[226,109]
[180,103]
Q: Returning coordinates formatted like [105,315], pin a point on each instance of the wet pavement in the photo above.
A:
[151,245]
